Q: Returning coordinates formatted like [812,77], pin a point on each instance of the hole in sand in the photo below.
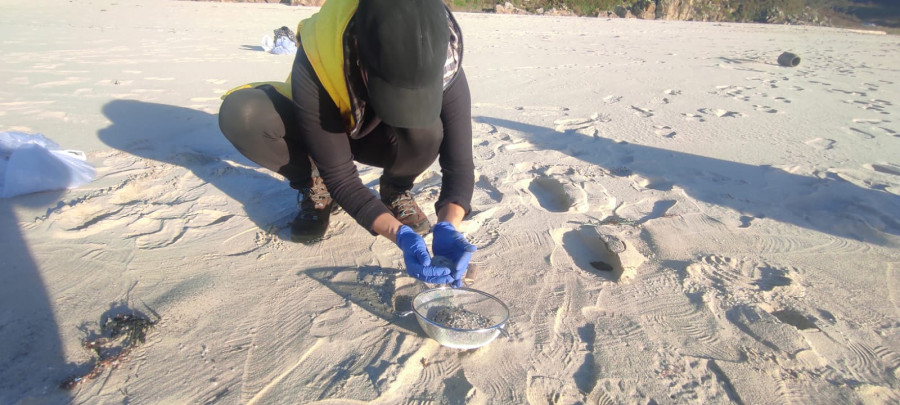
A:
[795,319]
[551,194]
[590,254]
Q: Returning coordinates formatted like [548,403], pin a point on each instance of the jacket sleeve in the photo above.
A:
[457,165]
[322,133]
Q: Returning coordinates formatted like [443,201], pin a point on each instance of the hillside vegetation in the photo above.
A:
[885,13]
[868,14]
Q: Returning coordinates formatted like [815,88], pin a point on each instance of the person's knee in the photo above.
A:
[416,150]
[240,112]
[422,141]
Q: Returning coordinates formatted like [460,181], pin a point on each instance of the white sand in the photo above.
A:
[758,206]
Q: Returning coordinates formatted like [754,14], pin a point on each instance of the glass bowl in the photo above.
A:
[461,318]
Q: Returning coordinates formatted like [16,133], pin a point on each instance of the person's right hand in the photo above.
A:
[418,262]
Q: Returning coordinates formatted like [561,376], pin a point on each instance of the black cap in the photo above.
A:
[403,47]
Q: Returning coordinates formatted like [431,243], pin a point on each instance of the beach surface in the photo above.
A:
[670,216]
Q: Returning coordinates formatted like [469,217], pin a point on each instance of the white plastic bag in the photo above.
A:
[279,46]
[268,43]
[30,163]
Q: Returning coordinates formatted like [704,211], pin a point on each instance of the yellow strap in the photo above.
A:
[282,87]
[322,36]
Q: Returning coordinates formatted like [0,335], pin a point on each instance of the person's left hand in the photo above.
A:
[418,263]
[451,244]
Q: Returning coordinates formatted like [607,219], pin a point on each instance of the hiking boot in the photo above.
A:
[405,209]
[315,208]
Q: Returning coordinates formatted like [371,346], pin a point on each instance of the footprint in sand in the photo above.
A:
[612,99]
[794,318]
[483,227]
[554,188]
[886,168]
[600,250]
[483,128]
[664,131]
[660,208]
[876,126]
[642,112]
[771,83]
[746,221]
[721,113]
[678,315]
[847,92]
[483,140]
[693,117]
[862,361]
[735,92]
[821,143]
[541,388]
[586,126]
[613,244]
[876,105]
[742,280]
[540,108]
[747,291]
[485,184]
[765,109]
[875,363]
[153,205]
[484,152]
[869,121]
[758,322]
[551,194]
[517,146]
[864,134]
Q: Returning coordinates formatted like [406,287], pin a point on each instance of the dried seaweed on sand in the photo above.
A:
[118,335]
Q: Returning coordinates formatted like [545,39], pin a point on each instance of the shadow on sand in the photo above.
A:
[31,353]
[830,205]
[374,289]
[192,139]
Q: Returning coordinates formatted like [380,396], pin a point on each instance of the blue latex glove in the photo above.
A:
[449,243]
[418,262]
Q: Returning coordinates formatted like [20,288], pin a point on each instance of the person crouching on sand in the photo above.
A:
[378,82]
